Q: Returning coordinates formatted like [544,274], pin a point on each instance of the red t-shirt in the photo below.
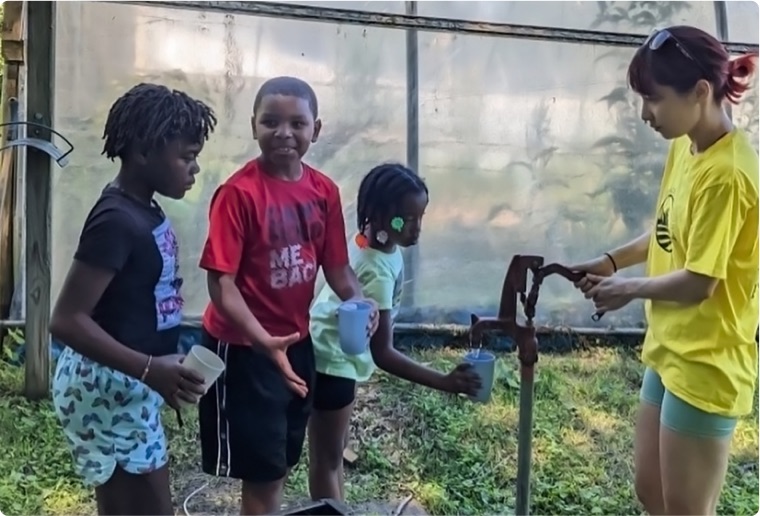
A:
[273,235]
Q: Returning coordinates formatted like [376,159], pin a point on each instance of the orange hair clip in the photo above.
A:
[361,241]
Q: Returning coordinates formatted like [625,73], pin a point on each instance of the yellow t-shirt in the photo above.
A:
[707,223]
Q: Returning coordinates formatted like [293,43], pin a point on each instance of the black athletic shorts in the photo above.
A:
[333,392]
[252,426]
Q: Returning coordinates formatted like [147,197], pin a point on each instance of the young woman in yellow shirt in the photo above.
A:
[700,288]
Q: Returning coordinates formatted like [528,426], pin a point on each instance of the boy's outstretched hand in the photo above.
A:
[463,379]
[277,348]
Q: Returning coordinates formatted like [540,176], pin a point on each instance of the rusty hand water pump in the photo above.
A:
[524,337]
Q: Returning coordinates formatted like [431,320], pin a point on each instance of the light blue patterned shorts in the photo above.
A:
[108,418]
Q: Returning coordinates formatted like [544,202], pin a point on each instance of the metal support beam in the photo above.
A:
[721,20]
[721,26]
[196,323]
[40,91]
[407,21]
[412,254]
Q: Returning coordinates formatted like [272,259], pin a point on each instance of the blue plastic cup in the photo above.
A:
[353,320]
[483,363]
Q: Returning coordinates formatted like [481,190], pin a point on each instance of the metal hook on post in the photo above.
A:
[48,147]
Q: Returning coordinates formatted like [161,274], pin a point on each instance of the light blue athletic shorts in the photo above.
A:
[680,416]
[108,418]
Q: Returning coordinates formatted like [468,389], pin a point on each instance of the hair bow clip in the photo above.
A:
[361,241]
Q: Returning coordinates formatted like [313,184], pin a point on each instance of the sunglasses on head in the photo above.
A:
[659,37]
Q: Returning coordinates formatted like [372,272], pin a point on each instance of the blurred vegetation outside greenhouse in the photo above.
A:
[532,147]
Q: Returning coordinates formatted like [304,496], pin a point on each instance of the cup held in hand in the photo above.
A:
[353,320]
[206,363]
[483,364]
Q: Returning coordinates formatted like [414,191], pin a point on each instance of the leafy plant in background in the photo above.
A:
[355,135]
[513,221]
[357,67]
[747,115]
[538,153]
[634,155]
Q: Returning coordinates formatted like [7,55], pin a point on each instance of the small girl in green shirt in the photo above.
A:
[390,206]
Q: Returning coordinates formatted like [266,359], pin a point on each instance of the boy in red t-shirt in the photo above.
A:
[273,224]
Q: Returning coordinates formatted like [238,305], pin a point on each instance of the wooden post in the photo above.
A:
[13,55]
[39,104]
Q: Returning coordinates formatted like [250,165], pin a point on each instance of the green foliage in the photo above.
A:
[454,456]
[460,458]
[644,16]
[557,197]
[747,114]
[634,155]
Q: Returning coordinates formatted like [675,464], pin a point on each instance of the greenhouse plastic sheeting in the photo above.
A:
[531,147]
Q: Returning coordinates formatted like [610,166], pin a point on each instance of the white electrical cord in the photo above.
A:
[400,508]
[187,500]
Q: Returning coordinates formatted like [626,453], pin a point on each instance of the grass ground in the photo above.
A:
[455,457]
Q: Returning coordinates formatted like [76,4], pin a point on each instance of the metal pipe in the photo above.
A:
[12,323]
[456,329]
[429,329]
[405,21]
[525,440]
[412,254]
[721,20]
[721,26]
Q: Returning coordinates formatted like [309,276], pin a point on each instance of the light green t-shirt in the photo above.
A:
[381,276]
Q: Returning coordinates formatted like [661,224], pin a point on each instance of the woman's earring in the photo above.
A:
[381,236]
[397,223]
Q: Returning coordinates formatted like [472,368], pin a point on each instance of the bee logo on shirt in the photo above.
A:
[662,226]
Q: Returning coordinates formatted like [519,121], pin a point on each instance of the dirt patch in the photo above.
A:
[413,508]
[221,497]
[197,493]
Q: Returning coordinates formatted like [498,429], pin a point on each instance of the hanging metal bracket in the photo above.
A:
[45,146]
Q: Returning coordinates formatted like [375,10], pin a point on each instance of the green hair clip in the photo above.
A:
[397,223]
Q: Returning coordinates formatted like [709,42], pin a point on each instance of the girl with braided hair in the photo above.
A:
[120,307]
[391,203]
